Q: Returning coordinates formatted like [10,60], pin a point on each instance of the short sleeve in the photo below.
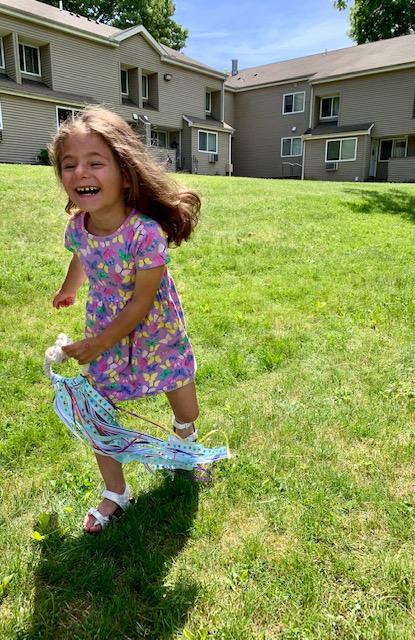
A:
[151,249]
[70,237]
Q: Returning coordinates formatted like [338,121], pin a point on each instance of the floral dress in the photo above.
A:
[157,355]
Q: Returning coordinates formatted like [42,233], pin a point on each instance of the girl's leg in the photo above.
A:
[112,474]
[185,407]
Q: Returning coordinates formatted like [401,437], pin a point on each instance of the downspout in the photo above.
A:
[230,155]
[303,167]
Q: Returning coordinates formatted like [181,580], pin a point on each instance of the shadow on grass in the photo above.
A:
[395,201]
[114,585]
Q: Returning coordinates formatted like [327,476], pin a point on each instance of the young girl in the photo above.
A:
[124,213]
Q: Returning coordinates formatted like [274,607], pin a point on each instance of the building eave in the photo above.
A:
[338,134]
[58,100]
[264,85]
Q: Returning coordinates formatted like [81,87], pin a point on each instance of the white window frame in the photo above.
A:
[208,111]
[341,140]
[291,155]
[126,77]
[144,81]
[2,56]
[321,107]
[209,133]
[294,93]
[29,73]
[1,119]
[393,140]
[74,110]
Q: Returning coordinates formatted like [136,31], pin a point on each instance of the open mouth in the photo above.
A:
[87,191]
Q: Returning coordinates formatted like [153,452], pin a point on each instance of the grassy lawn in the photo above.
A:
[299,299]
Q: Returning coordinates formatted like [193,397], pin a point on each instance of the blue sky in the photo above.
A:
[260,32]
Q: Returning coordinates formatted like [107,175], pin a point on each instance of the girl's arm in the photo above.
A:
[75,277]
[147,283]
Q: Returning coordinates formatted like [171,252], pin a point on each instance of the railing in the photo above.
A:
[166,157]
[292,166]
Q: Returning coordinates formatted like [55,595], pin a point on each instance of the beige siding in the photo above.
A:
[200,159]
[260,125]
[401,170]
[12,57]
[386,99]
[22,144]
[315,167]
[183,94]
[78,66]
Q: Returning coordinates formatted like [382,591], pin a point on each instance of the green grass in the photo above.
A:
[299,299]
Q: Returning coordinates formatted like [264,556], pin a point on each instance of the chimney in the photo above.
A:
[235,68]
[60,5]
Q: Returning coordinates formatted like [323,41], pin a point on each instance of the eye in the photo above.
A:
[96,164]
[68,166]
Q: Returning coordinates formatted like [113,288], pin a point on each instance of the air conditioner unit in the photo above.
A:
[332,166]
[213,157]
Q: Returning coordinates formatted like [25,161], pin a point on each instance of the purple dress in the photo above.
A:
[157,355]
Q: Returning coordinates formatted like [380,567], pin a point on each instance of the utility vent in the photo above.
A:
[332,166]
[213,157]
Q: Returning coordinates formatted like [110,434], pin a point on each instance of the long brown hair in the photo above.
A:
[151,191]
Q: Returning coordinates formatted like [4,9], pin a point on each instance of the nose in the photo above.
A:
[81,170]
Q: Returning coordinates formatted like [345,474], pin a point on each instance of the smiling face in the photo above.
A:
[91,176]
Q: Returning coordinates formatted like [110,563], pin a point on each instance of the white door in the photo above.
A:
[373,158]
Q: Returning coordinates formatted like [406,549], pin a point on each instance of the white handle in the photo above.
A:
[55,354]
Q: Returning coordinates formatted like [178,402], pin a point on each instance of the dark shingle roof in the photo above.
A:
[330,128]
[331,64]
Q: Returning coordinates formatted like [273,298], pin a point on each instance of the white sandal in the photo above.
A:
[123,502]
[180,426]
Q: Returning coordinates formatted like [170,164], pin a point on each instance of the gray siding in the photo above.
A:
[186,151]
[260,125]
[387,99]
[401,170]
[230,108]
[315,168]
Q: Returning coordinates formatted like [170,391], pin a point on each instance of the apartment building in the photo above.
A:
[53,62]
[339,115]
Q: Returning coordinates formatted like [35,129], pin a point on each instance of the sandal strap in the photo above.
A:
[99,517]
[179,426]
[120,499]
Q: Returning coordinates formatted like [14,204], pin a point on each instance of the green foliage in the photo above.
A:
[372,20]
[43,156]
[155,15]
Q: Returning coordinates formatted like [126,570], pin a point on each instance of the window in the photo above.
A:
[2,62]
[144,86]
[291,147]
[395,148]
[208,102]
[124,82]
[208,142]
[329,107]
[29,59]
[159,139]
[343,149]
[65,113]
[293,102]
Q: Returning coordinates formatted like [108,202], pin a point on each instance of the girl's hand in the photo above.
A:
[63,299]
[85,350]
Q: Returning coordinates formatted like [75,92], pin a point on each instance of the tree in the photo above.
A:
[372,20]
[154,15]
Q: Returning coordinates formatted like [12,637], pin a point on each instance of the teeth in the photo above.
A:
[90,190]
